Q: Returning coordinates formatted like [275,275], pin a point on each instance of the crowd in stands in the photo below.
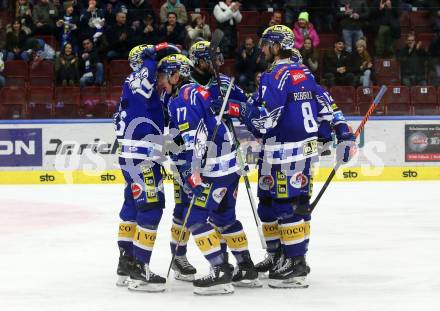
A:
[341,41]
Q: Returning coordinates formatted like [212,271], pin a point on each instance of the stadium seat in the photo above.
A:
[424,100]
[397,100]
[118,70]
[112,99]
[421,21]
[67,101]
[426,39]
[41,74]
[16,72]
[40,102]
[327,41]
[93,102]
[228,67]
[12,102]
[265,17]
[405,25]
[250,18]
[345,98]
[364,99]
[387,71]
[246,29]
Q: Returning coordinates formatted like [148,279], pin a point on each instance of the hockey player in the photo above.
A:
[139,125]
[203,74]
[211,175]
[287,117]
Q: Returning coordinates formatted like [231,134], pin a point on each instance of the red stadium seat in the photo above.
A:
[405,25]
[327,41]
[246,29]
[93,102]
[365,97]
[421,21]
[118,70]
[265,18]
[228,67]
[112,99]
[12,102]
[345,98]
[67,101]
[424,100]
[387,71]
[16,72]
[250,18]
[40,102]
[41,74]
[397,100]
[426,39]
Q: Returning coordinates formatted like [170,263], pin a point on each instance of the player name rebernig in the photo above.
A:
[302,95]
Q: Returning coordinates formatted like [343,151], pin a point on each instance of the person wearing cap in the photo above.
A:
[304,29]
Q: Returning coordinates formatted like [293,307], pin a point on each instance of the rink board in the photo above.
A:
[85,152]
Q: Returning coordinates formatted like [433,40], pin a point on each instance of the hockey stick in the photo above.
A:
[360,128]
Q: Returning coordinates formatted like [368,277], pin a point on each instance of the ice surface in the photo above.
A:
[374,246]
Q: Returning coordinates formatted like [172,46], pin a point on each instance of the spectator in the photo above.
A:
[388,23]
[67,26]
[270,4]
[111,7]
[39,50]
[138,10]
[15,42]
[66,66]
[228,15]
[92,22]
[90,68]
[352,14]
[198,29]
[362,63]
[176,7]
[291,10]
[117,38]
[412,59]
[434,50]
[276,19]
[24,14]
[337,66]
[43,16]
[310,56]
[304,29]
[172,31]
[2,67]
[144,32]
[248,63]
[323,14]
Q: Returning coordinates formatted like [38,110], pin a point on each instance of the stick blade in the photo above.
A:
[216,39]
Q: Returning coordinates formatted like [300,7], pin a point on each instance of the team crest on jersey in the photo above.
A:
[298,76]
[269,121]
[266,182]
[204,92]
[299,180]
[218,194]
[200,140]
[136,190]
[280,72]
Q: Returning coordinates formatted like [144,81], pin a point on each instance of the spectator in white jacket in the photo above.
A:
[197,30]
[227,14]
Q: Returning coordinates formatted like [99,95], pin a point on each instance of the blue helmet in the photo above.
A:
[175,62]
[280,34]
[201,50]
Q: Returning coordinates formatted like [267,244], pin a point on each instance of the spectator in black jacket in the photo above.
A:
[248,62]
[337,66]
[172,31]
[352,15]
[15,42]
[412,59]
[118,38]
[92,22]
[138,11]
[91,69]
[144,32]
[386,19]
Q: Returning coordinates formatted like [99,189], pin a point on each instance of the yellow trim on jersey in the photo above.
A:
[144,238]
[175,233]
[292,233]
[271,231]
[236,241]
[208,242]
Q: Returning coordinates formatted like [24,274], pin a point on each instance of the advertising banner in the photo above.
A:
[422,142]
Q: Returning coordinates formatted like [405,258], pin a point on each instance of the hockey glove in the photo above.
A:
[346,147]
[159,51]
[194,182]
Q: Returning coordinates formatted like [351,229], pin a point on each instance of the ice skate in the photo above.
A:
[183,270]
[125,266]
[269,263]
[292,274]
[245,275]
[144,280]
[217,282]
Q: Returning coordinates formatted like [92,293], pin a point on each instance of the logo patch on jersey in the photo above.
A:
[136,190]
[183,126]
[298,76]
[280,72]
[310,147]
[218,194]
[299,180]
[266,182]
[204,92]
[200,140]
[269,121]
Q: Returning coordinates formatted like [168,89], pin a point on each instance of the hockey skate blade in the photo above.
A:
[123,281]
[263,275]
[295,282]
[248,283]
[141,286]
[221,289]
[183,277]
